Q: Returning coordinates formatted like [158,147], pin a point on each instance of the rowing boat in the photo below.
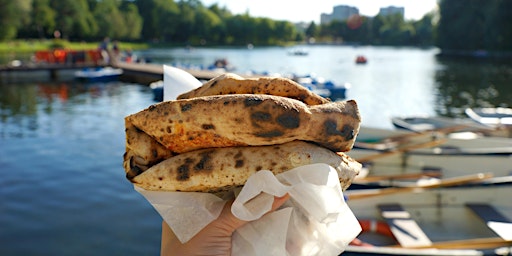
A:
[499,118]
[386,152]
[467,220]
[422,123]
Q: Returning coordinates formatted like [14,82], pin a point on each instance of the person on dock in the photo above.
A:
[103,48]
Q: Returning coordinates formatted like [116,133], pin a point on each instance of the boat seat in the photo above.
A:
[404,228]
[498,223]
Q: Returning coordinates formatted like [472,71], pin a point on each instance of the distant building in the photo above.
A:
[340,12]
[390,10]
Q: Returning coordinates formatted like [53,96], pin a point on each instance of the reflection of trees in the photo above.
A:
[18,106]
[470,83]
[24,108]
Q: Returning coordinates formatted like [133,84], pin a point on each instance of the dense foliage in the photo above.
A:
[467,25]
[475,25]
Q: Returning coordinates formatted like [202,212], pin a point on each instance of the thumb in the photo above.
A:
[233,222]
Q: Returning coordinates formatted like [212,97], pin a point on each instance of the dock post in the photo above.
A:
[53,74]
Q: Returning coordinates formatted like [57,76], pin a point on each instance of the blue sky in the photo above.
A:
[307,10]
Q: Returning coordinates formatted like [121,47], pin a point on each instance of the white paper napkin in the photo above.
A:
[315,221]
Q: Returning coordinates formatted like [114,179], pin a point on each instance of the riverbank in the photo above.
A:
[30,46]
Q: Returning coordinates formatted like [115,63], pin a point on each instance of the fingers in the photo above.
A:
[233,222]
[278,201]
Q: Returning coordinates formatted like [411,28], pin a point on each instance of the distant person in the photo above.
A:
[115,50]
[103,48]
[128,56]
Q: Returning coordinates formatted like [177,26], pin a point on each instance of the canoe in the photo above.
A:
[422,123]
[468,220]
[101,74]
[493,117]
[386,152]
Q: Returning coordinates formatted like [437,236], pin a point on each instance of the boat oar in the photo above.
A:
[428,144]
[401,176]
[448,182]
[443,130]
[476,243]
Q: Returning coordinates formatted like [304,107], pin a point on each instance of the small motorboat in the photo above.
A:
[100,74]
[493,117]
[360,59]
[298,52]
[157,88]
[322,87]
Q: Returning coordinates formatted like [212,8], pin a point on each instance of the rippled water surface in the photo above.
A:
[63,188]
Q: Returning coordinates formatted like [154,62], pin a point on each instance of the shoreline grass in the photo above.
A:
[30,46]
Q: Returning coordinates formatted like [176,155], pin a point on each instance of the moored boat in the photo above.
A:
[474,220]
[298,52]
[100,74]
[322,87]
[360,59]
[493,117]
[422,123]
[387,152]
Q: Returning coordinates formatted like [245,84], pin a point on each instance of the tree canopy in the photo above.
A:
[466,25]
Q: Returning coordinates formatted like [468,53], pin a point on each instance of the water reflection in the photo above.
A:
[471,83]
[61,147]
[26,109]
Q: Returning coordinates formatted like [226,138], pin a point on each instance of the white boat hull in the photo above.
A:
[442,215]
[454,157]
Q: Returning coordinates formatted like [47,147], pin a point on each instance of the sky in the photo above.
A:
[310,10]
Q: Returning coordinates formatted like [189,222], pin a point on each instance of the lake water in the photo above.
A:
[63,188]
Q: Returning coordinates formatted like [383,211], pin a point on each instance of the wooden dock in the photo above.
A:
[141,73]
[146,73]
[52,68]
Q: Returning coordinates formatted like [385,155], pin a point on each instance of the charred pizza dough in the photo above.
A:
[221,169]
[234,84]
[247,119]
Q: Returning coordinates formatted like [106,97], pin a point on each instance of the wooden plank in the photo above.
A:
[475,243]
[448,182]
[401,176]
[404,228]
[400,150]
[500,224]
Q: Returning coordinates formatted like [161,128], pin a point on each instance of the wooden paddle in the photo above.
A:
[448,182]
[444,130]
[428,144]
[401,176]
[477,243]
[392,141]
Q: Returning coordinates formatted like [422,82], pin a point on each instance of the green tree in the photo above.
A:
[109,19]
[13,16]
[312,30]
[208,26]
[503,23]
[132,20]
[395,31]
[159,18]
[74,19]
[424,30]
[42,22]
[473,25]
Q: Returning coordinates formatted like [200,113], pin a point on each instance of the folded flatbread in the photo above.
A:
[247,119]
[213,138]
[220,169]
[233,84]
